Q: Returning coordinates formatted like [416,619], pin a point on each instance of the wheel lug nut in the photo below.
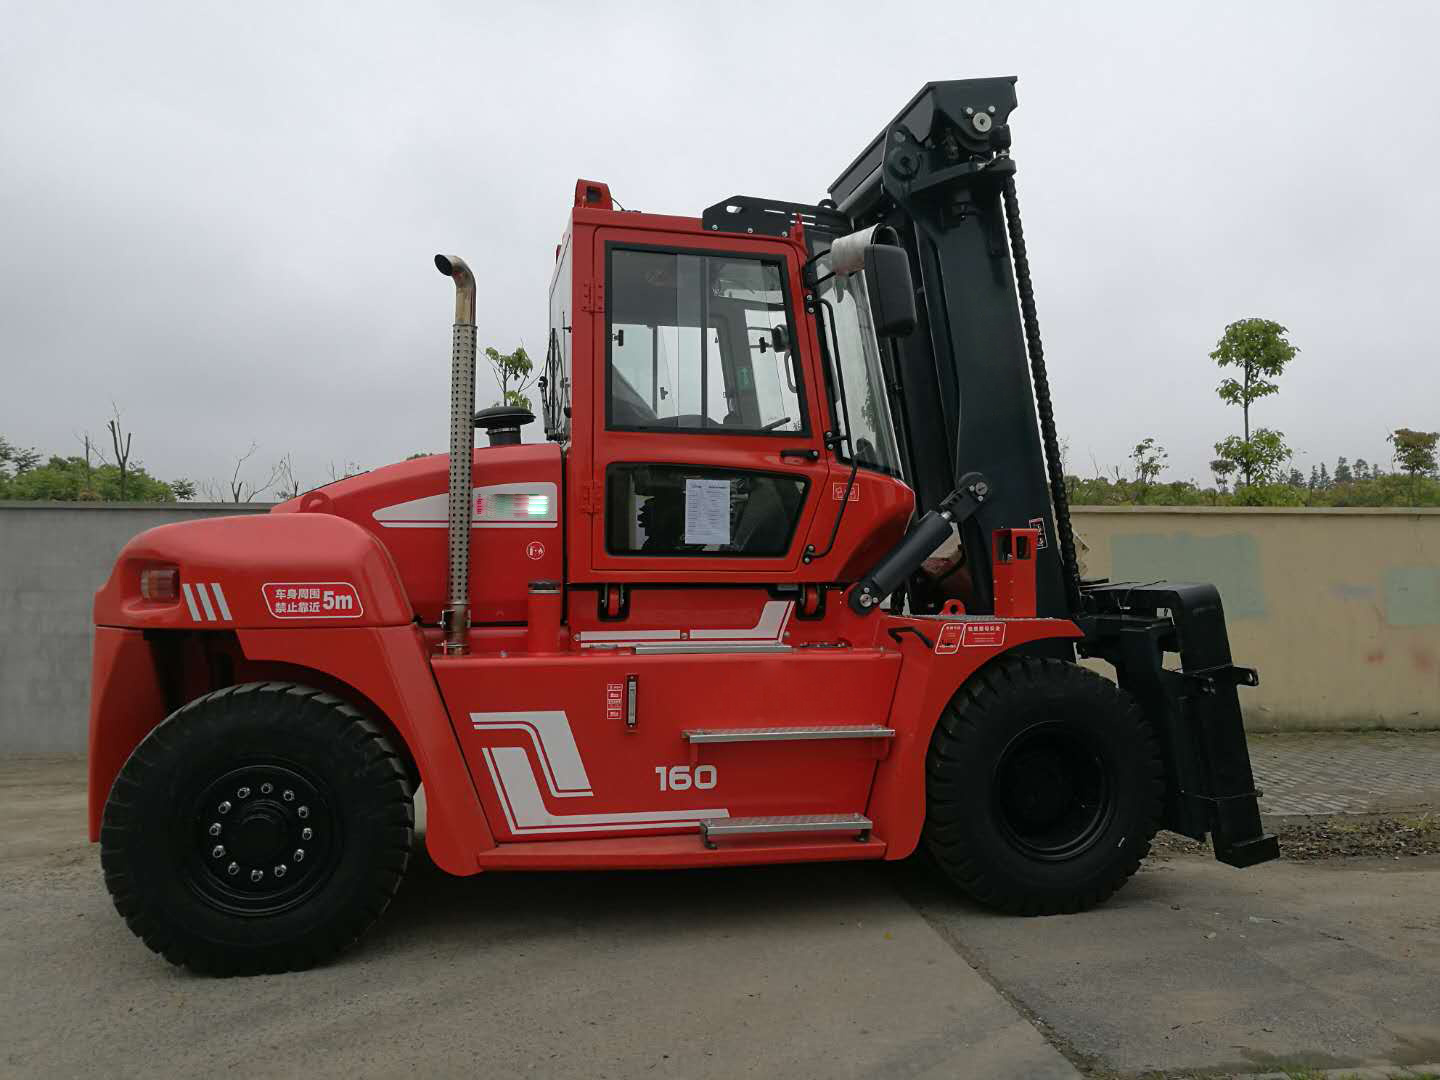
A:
[256,875]
[303,812]
[288,796]
[265,789]
[224,807]
[243,793]
[218,851]
[299,855]
[233,869]
[280,870]
[215,828]
[306,833]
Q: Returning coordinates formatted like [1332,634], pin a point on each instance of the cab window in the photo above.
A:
[656,509]
[692,344]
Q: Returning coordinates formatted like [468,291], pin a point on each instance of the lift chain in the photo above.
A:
[1054,466]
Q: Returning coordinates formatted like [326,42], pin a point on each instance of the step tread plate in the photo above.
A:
[786,823]
[783,734]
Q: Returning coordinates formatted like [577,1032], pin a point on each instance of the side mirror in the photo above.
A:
[780,339]
[892,291]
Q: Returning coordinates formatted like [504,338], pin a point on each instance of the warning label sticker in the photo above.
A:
[969,635]
[980,635]
[837,492]
[949,640]
[614,701]
[1038,524]
[312,599]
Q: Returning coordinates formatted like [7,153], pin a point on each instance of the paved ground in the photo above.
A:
[1346,774]
[1194,969]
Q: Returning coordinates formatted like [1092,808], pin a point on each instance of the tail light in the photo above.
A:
[160,583]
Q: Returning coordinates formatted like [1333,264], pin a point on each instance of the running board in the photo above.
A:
[766,826]
[787,734]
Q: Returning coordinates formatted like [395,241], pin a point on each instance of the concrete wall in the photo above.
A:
[53,557]
[1338,608]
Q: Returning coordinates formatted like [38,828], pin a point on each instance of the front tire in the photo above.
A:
[1044,787]
[261,828]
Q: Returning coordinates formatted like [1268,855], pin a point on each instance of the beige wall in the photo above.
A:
[1338,608]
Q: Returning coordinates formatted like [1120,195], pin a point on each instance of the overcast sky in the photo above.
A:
[221,216]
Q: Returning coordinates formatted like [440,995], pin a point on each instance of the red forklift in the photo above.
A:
[790,579]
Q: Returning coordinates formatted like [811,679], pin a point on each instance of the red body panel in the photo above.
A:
[242,555]
[125,703]
[404,506]
[552,760]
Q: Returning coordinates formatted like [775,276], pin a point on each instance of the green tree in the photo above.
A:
[15,460]
[1149,459]
[1260,349]
[73,479]
[1222,468]
[1415,453]
[1343,475]
[515,372]
[1259,458]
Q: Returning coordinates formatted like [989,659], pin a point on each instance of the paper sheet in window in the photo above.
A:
[707,511]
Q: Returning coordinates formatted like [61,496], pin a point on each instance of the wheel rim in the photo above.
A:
[1054,794]
[262,839]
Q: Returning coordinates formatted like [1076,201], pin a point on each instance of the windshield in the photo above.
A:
[693,344]
[873,433]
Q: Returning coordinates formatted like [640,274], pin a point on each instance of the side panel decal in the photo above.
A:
[559,763]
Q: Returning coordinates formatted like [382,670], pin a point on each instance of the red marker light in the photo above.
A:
[160,583]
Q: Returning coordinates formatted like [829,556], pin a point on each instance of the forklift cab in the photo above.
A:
[719,445]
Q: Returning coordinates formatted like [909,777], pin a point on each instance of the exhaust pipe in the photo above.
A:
[455,620]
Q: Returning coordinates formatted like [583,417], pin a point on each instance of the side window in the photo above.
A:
[691,346]
[685,510]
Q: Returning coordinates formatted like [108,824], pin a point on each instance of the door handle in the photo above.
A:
[808,453]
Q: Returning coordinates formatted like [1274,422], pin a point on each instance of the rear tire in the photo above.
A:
[1044,787]
[261,828]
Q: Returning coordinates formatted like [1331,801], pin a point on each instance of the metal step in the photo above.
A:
[764,826]
[786,734]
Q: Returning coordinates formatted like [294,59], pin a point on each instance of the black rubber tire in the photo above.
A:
[1074,715]
[154,821]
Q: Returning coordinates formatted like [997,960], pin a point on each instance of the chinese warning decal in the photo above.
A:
[535,550]
[971,635]
[312,599]
[614,701]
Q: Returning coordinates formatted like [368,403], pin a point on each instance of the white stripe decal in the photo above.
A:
[554,745]
[772,622]
[769,629]
[473,525]
[432,511]
[190,603]
[220,599]
[525,810]
[205,602]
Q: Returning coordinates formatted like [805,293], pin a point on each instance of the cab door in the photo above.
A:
[710,455]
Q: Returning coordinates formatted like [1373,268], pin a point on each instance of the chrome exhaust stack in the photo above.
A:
[455,619]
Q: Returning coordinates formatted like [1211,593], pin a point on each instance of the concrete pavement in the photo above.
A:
[1194,969]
